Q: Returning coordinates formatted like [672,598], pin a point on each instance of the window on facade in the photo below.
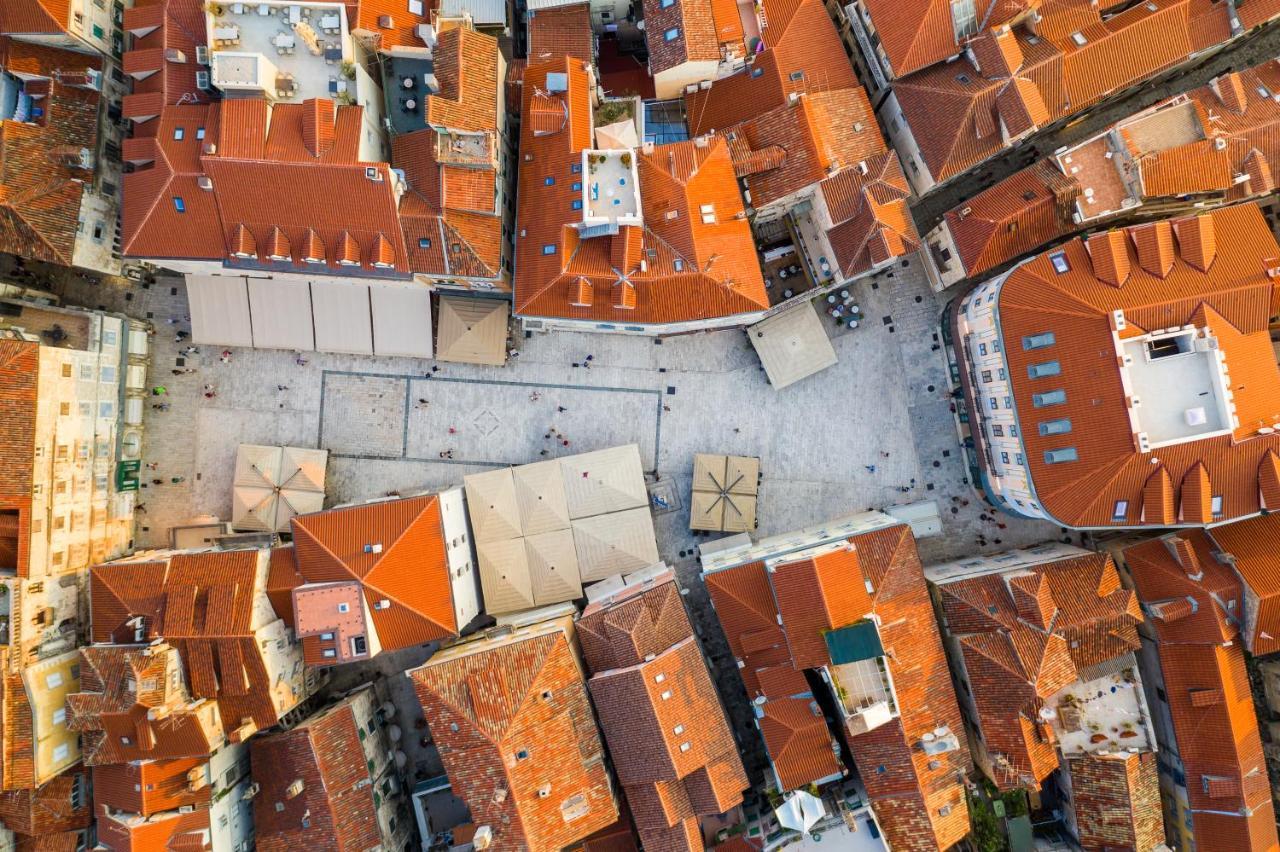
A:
[997,430]
[995,403]
[982,349]
[986,375]
[1004,457]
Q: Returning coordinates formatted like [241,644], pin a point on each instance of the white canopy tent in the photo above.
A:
[342,321]
[281,314]
[800,811]
[792,345]
[219,310]
[401,320]
[272,484]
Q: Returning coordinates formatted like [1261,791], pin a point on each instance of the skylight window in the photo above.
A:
[549,248]
[1060,426]
[1059,261]
[179,204]
[1066,454]
[424,242]
[1048,368]
[1079,39]
[1053,397]
[178,134]
[1215,504]
[1038,341]
[667,4]
[1121,510]
[672,34]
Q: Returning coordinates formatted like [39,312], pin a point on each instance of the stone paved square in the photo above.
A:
[500,423]
[363,415]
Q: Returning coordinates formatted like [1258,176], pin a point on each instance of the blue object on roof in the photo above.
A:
[859,641]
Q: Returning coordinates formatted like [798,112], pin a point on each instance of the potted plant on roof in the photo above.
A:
[349,70]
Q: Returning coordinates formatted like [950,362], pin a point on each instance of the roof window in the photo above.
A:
[179,204]
[797,76]
[1048,368]
[1262,91]
[1121,510]
[424,242]
[1066,454]
[1053,397]
[1059,261]
[549,248]
[1215,505]
[756,72]
[1039,341]
[667,4]
[672,34]
[1079,39]
[178,134]
[1055,427]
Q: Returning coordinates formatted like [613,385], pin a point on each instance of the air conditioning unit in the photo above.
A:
[202,54]
[202,81]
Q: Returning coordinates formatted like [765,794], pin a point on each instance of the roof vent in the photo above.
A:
[373,174]
[210,148]
[382,604]
[204,183]
[376,547]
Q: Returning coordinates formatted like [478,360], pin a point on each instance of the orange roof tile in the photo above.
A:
[695,39]
[800,745]
[1072,60]
[494,699]
[1216,739]
[693,268]
[35,17]
[410,571]
[1252,546]
[386,24]
[150,786]
[561,31]
[1109,466]
[336,807]
[915,37]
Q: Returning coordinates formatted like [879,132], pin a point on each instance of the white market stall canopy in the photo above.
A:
[272,484]
[792,345]
[326,315]
[544,529]
[473,331]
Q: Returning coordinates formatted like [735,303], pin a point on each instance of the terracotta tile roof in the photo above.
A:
[696,38]
[1024,635]
[47,810]
[872,222]
[692,269]
[1217,738]
[19,386]
[816,595]
[123,690]
[167,832]
[1193,168]
[1251,545]
[560,31]
[158,25]
[150,786]
[335,808]
[367,17]
[35,17]
[1117,801]
[522,695]
[1234,298]
[206,605]
[922,35]
[909,797]
[801,747]
[40,191]
[954,106]
[282,579]
[803,54]
[660,713]
[410,570]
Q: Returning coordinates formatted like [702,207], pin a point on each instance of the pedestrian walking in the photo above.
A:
[543,453]
[159,390]
[870,468]
[561,409]
[181,336]
[452,430]
[535,396]
[282,387]
[209,394]
[157,482]
[160,406]
[152,465]
[140,507]
[226,356]
[176,479]
[423,403]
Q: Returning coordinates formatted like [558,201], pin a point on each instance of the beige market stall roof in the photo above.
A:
[620,136]
[724,493]
[472,331]
[543,529]
[792,345]
[272,484]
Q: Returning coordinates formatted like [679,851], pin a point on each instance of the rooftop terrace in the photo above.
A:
[1106,713]
[290,51]
[1179,380]
[611,192]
